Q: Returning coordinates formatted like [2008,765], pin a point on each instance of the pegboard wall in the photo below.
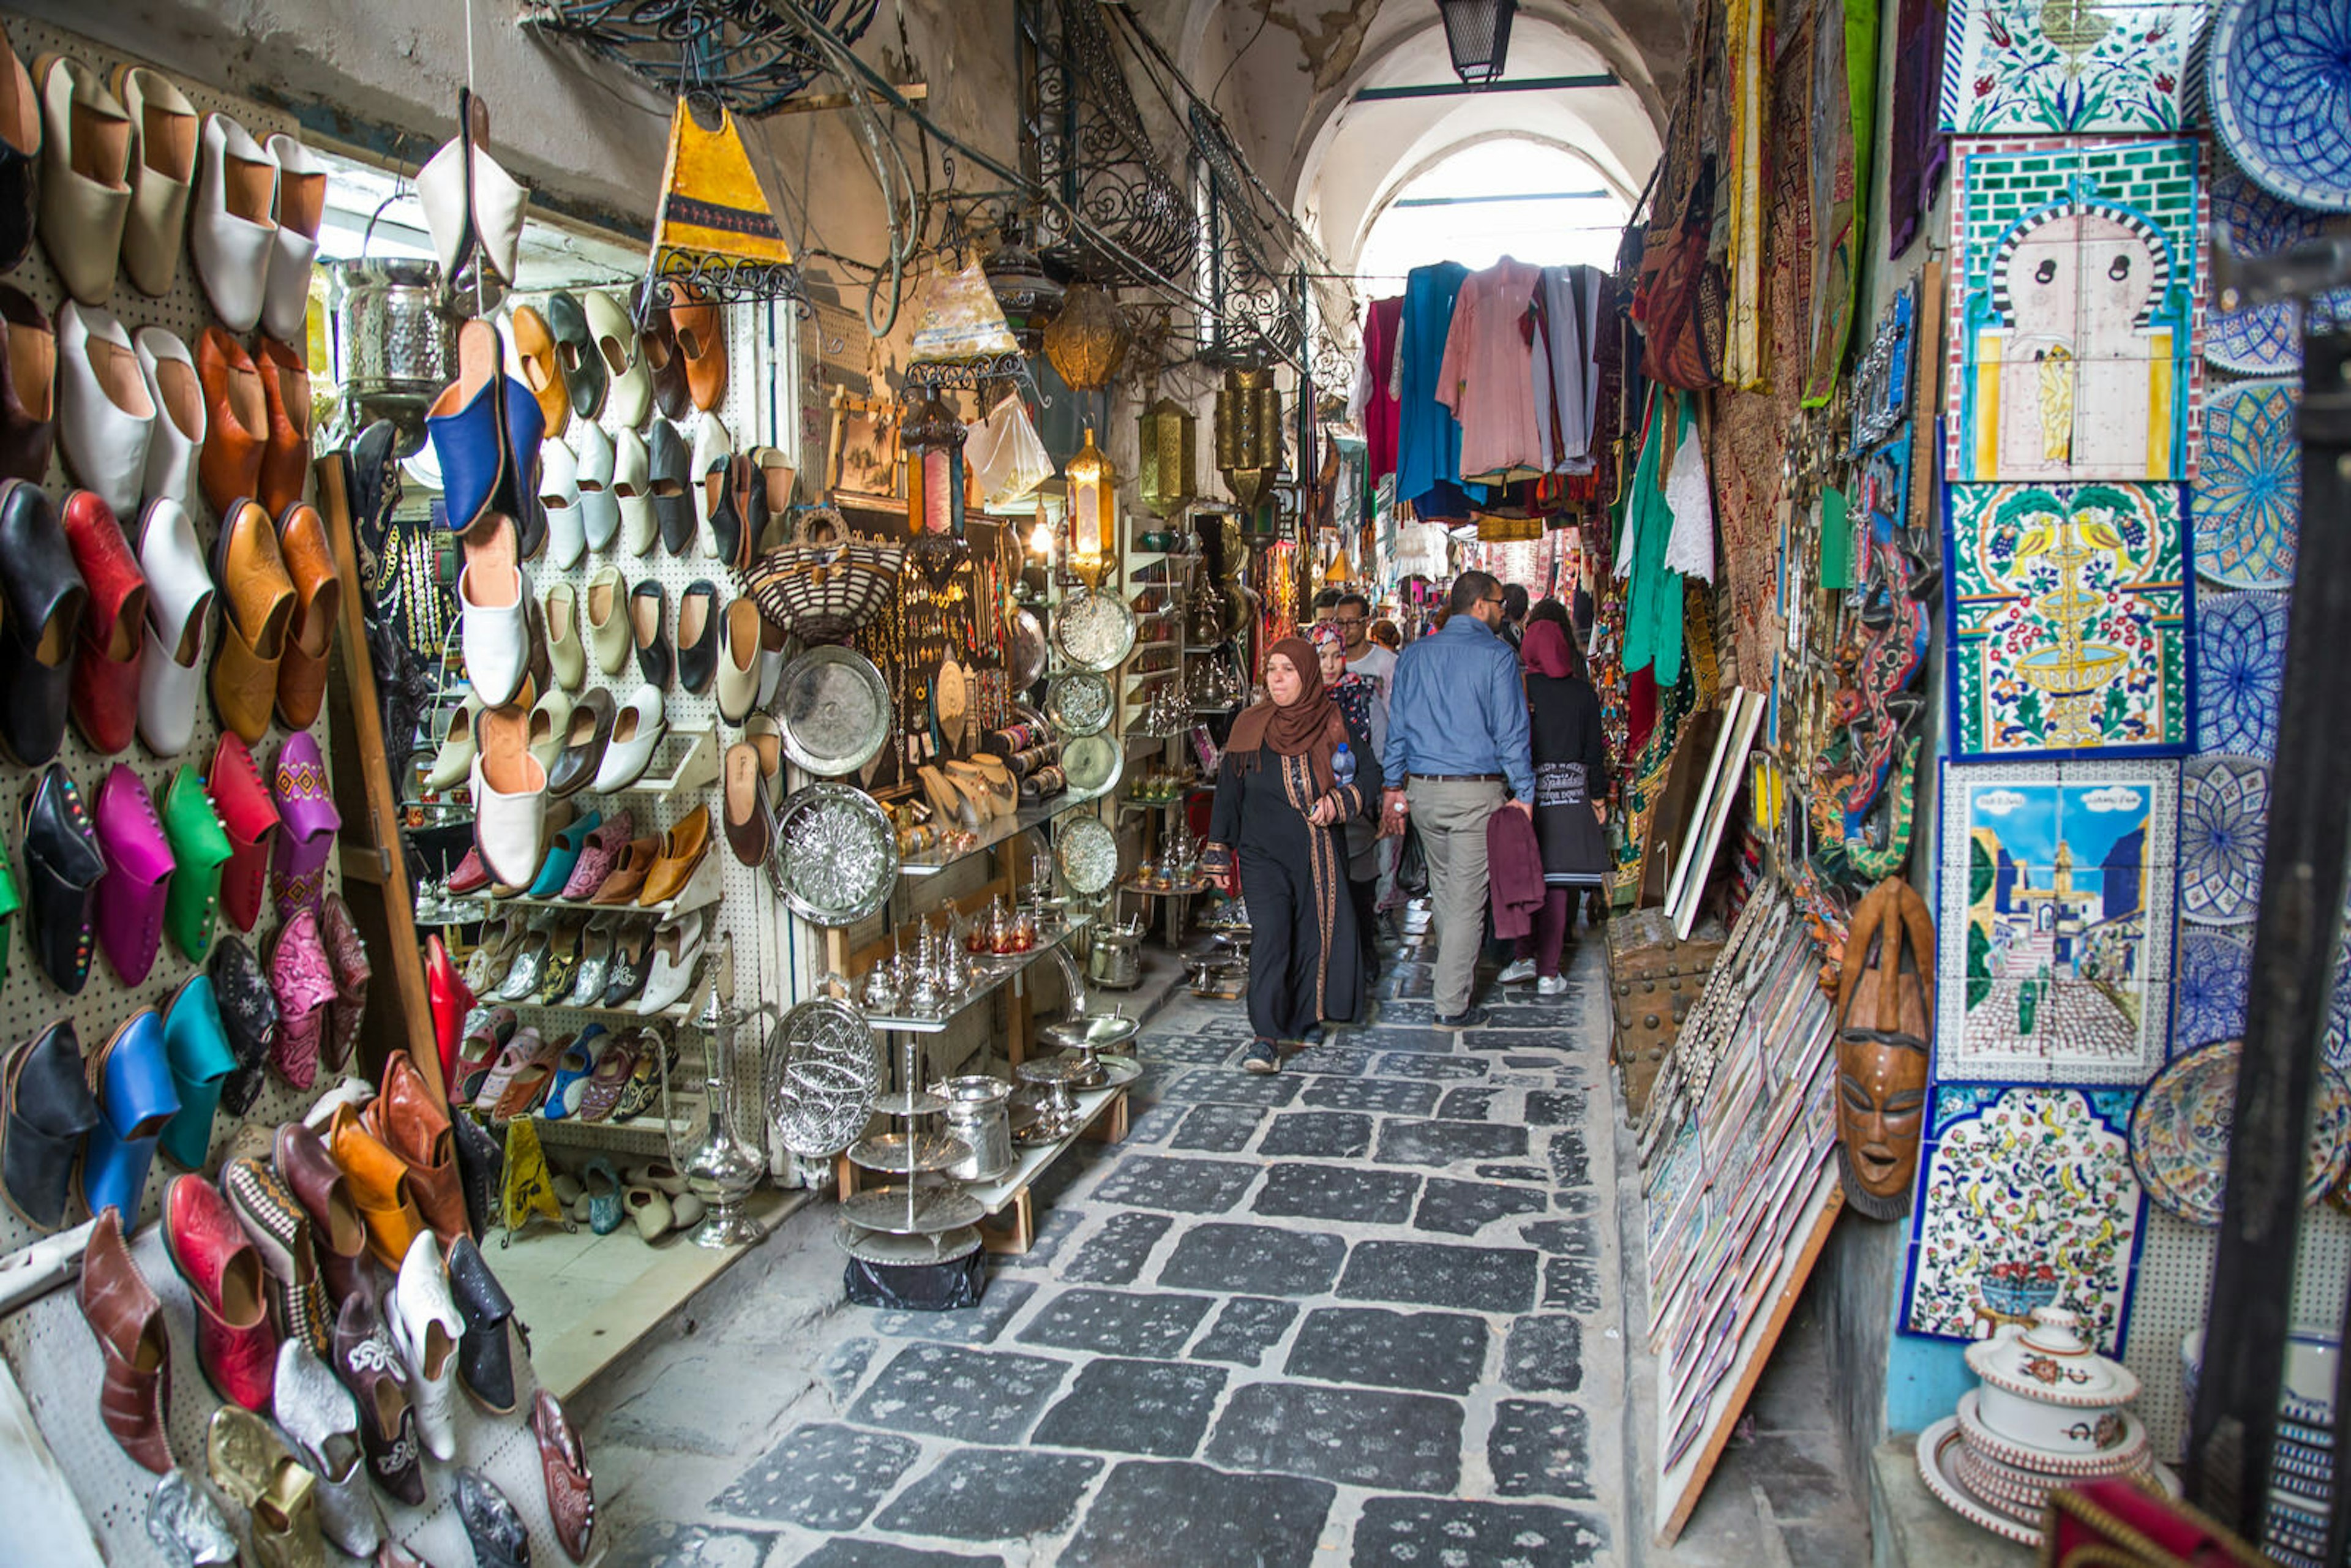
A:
[48,1344]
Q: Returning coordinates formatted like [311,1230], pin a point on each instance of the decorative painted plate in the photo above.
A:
[2224,820]
[1087,851]
[1024,649]
[836,855]
[2266,339]
[1092,763]
[2239,659]
[833,708]
[2247,498]
[2179,1132]
[1094,631]
[2280,75]
[1079,703]
[2209,1004]
[1938,1447]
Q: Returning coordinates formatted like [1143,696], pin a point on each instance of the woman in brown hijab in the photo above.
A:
[1294,772]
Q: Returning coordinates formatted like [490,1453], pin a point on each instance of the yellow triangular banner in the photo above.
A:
[712,202]
[956,318]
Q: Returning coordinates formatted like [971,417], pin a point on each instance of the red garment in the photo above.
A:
[1383,324]
[1514,873]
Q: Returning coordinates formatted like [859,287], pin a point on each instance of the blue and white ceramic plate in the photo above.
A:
[2281,96]
[2239,659]
[2215,970]
[2246,503]
[2224,822]
[2265,341]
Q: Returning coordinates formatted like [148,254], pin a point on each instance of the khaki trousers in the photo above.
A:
[1451,818]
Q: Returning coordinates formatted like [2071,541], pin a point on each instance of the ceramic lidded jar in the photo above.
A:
[2047,1387]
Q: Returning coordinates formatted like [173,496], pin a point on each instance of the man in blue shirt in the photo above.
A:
[1456,737]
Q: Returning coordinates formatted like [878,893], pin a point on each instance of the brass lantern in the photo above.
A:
[1248,434]
[1169,437]
[1094,512]
[1088,339]
[932,437]
[1029,296]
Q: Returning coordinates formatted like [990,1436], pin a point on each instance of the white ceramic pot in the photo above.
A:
[2046,1388]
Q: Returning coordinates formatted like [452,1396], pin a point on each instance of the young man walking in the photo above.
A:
[1457,753]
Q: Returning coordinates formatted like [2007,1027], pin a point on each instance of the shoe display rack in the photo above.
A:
[46,1342]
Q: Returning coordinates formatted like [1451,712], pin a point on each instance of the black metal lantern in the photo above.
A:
[1477,36]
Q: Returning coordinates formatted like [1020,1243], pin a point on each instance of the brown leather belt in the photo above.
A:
[1458,778]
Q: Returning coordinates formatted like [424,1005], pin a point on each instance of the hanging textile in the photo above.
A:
[1916,147]
[1567,367]
[1488,374]
[1744,365]
[1844,86]
[1679,292]
[1373,405]
[1652,617]
[1429,438]
[1689,550]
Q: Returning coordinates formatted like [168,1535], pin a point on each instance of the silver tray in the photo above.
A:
[1079,703]
[1024,649]
[1094,631]
[1091,763]
[822,1085]
[834,709]
[869,1245]
[1087,853]
[935,1209]
[904,1153]
[1121,1070]
[836,855]
[912,1102]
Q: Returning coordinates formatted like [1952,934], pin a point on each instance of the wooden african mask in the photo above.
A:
[1886,1002]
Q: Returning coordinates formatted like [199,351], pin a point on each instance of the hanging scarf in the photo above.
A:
[1309,728]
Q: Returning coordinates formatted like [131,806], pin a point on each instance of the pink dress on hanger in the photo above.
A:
[1488,374]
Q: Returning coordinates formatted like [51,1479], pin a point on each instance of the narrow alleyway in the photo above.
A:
[1365,1311]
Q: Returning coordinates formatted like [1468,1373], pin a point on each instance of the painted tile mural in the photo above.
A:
[2057,906]
[2033,66]
[2072,351]
[2028,1198]
[2069,615]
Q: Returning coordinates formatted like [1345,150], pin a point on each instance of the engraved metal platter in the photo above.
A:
[1024,649]
[1079,703]
[834,708]
[824,1084]
[1091,763]
[904,1153]
[1087,853]
[836,855]
[934,1209]
[869,1245]
[1094,631]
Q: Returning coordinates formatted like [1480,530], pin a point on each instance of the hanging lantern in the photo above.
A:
[932,437]
[1030,297]
[1093,511]
[1477,37]
[1248,434]
[1088,339]
[1169,441]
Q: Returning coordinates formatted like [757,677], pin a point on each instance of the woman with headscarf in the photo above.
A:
[1363,704]
[1285,791]
[1570,762]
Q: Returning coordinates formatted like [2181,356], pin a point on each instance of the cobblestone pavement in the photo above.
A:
[1362,1312]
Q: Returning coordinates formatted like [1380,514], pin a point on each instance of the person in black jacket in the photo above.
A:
[1571,759]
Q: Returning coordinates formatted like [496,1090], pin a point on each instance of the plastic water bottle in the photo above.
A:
[1343,766]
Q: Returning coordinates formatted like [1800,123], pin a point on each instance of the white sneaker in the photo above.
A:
[1520,971]
[1551,986]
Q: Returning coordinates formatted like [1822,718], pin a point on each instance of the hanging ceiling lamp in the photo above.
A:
[1030,297]
[1477,36]
[1167,436]
[932,438]
[1094,512]
[1088,339]
[1248,434]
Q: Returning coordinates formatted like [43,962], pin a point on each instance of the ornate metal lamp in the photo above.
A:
[933,438]
[1248,434]
[1094,512]
[1088,339]
[1477,36]
[1030,297]
[1169,441]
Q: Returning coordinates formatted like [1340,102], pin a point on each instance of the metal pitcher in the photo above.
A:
[975,1114]
[1115,962]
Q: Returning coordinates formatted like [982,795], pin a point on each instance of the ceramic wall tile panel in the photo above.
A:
[2075,317]
[2224,821]
[2246,503]
[2058,894]
[2028,1196]
[2030,67]
[2265,341]
[2239,659]
[2069,619]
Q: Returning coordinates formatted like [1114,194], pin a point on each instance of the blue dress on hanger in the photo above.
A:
[1429,438]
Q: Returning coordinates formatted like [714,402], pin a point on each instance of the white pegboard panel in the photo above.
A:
[2173,1293]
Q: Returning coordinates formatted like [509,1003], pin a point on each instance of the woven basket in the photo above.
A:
[827,586]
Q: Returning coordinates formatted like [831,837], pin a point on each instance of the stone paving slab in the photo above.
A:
[1187,1186]
[993,1494]
[1246,1329]
[1466,1207]
[1254,1260]
[1416,1531]
[1330,1135]
[1114,1254]
[1217,1128]
[1338,1193]
[1158,1408]
[1436,1352]
[1160,1512]
[820,1477]
[1476,1279]
[1110,1322]
[1355,1437]
[949,1391]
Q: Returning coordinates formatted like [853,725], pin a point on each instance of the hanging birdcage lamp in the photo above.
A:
[1168,438]
[1088,339]
[1093,511]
